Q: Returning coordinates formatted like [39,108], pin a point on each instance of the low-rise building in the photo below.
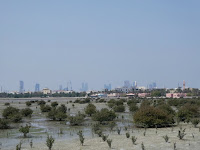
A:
[175,95]
[46,91]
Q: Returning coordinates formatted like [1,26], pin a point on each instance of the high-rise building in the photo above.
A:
[107,87]
[37,87]
[21,86]
[127,84]
[84,87]
[60,87]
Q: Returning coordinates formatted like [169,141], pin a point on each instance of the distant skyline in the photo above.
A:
[99,42]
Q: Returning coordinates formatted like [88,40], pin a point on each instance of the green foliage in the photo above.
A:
[7,104]
[28,103]
[90,109]
[54,104]
[26,112]
[62,108]
[119,108]
[49,142]
[57,114]
[111,125]
[19,146]
[127,134]
[104,115]
[152,117]
[181,133]
[195,122]
[76,120]
[45,108]
[187,111]
[25,130]
[42,102]
[104,137]
[166,138]
[145,103]
[109,141]
[133,139]
[133,107]
[83,101]
[81,137]
[4,124]
[12,113]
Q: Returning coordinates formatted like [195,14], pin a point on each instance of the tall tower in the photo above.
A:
[37,87]
[183,84]
[21,86]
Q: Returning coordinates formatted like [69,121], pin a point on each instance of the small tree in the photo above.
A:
[118,131]
[28,103]
[181,134]
[134,139]
[90,109]
[195,122]
[25,130]
[104,137]
[142,146]
[19,146]
[166,138]
[109,141]
[133,107]
[7,104]
[127,134]
[26,112]
[54,104]
[4,124]
[49,142]
[81,138]
[111,125]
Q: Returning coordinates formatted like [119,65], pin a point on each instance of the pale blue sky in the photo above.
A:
[107,41]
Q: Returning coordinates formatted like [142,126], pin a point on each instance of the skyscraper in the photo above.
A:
[127,84]
[37,87]
[21,86]
[107,87]
[84,87]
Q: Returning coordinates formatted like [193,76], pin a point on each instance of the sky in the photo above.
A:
[99,42]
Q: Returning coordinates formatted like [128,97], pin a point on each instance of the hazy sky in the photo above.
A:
[107,41]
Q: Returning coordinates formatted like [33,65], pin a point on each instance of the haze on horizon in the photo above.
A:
[54,42]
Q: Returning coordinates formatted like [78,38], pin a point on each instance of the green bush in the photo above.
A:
[119,108]
[26,112]
[42,102]
[49,142]
[12,114]
[195,122]
[54,104]
[62,108]
[76,120]
[152,117]
[90,109]
[45,108]
[7,104]
[28,103]
[104,115]
[133,107]
[4,124]
[25,130]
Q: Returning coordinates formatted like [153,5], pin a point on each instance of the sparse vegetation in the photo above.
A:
[50,141]
[25,130]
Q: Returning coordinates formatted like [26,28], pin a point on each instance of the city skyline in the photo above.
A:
[99,42]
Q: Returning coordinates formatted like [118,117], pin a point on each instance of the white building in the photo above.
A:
[46,91]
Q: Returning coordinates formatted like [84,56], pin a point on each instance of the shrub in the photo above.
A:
[195,122]
[104,137]
[25,130]
[111,125]
[104,115]
[45,108]
[109,141]
[7,104]
[133,107]
[60,115]
[90,109]
[76,120]
[12,114]
[181,134]
[28,103]
[166,138]
[152,117]
[62,108]
[49,142]
[42,102]
[4,124]
[26,112]
[134,139]
[81,138]
[54,104]
[127,134]
[119,108]
[19,146]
